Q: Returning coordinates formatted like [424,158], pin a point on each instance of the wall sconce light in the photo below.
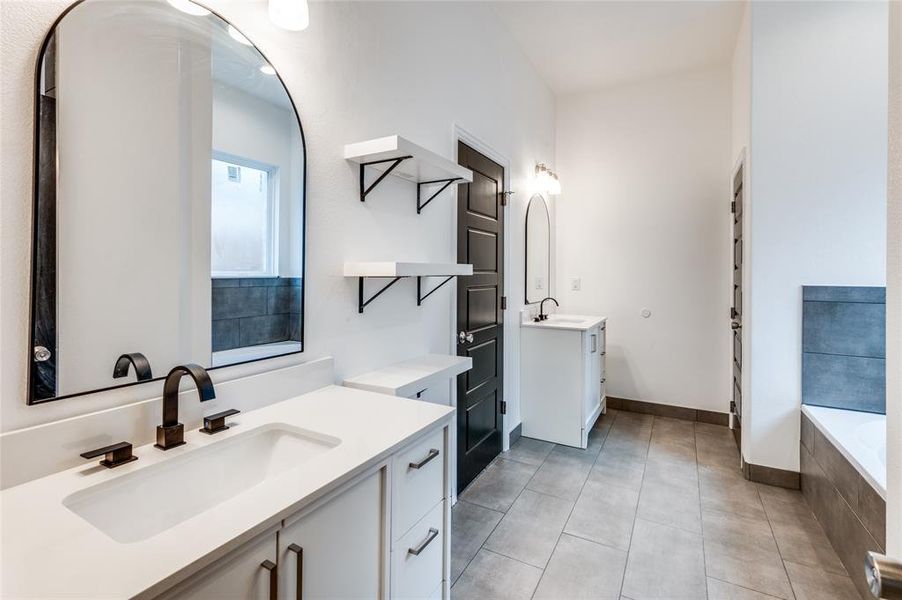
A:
[293,15]
[547,180]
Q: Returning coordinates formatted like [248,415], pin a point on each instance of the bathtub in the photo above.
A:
[859,436]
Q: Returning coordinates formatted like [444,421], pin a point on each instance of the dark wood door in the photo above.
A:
[736,310]
[480,242]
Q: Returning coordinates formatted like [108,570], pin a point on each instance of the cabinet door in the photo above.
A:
[337,549]
[592,391]
[248,573]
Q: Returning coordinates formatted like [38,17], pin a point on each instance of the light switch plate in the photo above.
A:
[576,284]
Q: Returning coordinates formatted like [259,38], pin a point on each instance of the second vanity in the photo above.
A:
[562,377]
[337,492]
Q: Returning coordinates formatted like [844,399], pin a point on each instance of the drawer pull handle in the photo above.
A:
[433,533]
[299,593]
[273,578]
[419,465]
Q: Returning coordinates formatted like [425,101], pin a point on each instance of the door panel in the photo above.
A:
[484,362]
[736,310]
[480,242]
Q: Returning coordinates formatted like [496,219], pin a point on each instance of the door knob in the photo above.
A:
[465,337]
[735,325]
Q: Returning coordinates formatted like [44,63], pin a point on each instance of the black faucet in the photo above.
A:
[172,433]
[136,359]
[542,316]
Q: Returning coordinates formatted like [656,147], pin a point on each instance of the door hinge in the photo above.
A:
[504,197]
[732,312]
[503,302]
[733,207]
[733,406]
[504,407]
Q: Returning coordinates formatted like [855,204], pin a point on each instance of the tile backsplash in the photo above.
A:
[844,347]
[252,311]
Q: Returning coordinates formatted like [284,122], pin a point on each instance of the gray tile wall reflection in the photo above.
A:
[252,311]
[844,347]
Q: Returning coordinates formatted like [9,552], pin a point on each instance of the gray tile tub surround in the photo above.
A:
[851,512]
[844,347]
[252,311]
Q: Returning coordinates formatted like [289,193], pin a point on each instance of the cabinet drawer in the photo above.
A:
[418,481]
[417,575]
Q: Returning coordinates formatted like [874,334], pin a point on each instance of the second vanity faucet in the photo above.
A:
[542,316]
[172,433]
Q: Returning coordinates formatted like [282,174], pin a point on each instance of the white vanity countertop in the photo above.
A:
[50,551]
[565,321]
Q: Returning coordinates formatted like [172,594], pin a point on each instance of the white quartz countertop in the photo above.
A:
[565,321]
[49,551]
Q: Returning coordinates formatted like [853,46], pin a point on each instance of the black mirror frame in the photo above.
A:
[44,220]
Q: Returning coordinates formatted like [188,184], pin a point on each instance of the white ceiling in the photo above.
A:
[579,46]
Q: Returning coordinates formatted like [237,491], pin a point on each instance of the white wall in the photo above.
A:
[165,311]
[894,292]
[361,70]
[645,171]
[818,150]
[741,71]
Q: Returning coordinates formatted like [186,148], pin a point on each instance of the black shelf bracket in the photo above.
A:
[364,190]
[420,296]
[361,303]
[447,182]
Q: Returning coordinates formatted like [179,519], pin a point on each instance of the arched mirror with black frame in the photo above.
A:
[169,199]
[538,250]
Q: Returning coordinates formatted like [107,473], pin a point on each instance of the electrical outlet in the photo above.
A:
[576,284]
[540,283]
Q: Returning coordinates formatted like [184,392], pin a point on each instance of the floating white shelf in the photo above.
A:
[410,377]
[398,270]
[395,155]
[406,269]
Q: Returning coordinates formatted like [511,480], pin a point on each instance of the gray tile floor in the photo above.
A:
[654,508]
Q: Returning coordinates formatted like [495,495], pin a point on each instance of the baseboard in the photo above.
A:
[666,410]
[516,432]
[772,476]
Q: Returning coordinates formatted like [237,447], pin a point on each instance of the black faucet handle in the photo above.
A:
[114,455]
[216,423]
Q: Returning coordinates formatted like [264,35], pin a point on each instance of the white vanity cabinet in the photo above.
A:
[336,549]
[246,573]
[381,535]
[562,376]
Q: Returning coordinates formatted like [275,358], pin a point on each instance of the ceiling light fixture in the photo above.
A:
[267,70]
[547,180]
[238,36]
[293,15]
[189,7]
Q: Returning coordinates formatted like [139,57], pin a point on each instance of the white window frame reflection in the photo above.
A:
[271,244]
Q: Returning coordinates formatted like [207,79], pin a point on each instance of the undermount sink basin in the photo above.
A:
[557,319]
[148,501]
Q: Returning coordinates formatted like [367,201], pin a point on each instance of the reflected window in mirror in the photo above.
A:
[538,250]
[169,198]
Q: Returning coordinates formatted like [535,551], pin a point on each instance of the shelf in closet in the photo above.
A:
[398,270]
[411,377]
[398,156]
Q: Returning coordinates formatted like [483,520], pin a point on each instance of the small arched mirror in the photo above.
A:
[169,198]
[538,250]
